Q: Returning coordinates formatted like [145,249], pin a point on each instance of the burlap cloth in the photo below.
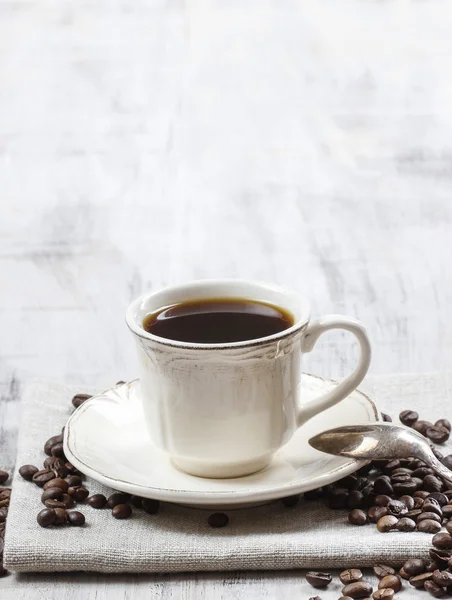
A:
[178,539]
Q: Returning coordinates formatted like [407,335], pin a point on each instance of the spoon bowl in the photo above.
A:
[379,441]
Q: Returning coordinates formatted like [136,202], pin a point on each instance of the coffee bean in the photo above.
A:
[383,594]
[97,501]
[390,581]
[408,501]
[432,484]
[314,494]
[442,540]
[337,498]
[436,452]
[449,564]
[421,494]
[27,471]
[413,514]
[290,501]
[429,515]
[77,518]
[3,514]
[381,511]
[73,470]
[428,526]
[57,482]
[355,499]
[371,514]
[122,511]
[78,493]
[360,589]
[422,426]
[447,461]
[40,478]
[387,523]
[382,500]
[396,508]
[418,581]
[61,516]
[357,517]
[46,517]
[440,556]
[135,501]
[391,466]
[350,576]
[400,478]
[152,507]
[215,519]
[432,566]
[439,435]
[51,494]
[443,423]
[68,501]
[418,502]
[116,498]
[403,573]
[442,578]
[432,506]
[79,399]
[318,579]
[58,467]
[407,487]
[432,588]
[386,417]
[406,524]
[422,472]
[382,485]
[58,451]
[449,527]
[51,442]
[408,417]
[439,497]
[54,504]
[447,511]
[75,481]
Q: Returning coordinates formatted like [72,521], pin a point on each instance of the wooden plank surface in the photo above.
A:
[149,142]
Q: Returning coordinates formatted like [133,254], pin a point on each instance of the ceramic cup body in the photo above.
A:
[223,410]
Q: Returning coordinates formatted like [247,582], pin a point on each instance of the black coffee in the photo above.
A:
[218,320]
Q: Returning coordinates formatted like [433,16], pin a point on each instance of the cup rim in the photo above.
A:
[138,329]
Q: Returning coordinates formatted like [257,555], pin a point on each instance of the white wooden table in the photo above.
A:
[147,142]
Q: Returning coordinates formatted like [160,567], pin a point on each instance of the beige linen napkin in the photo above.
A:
[179,539]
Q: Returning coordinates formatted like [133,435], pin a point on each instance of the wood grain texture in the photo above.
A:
[149,142]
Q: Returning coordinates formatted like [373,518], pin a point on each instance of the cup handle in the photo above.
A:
[346,386]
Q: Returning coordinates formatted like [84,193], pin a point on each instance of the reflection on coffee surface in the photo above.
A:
[218,320]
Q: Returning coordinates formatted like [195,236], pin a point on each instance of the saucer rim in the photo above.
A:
[213,497]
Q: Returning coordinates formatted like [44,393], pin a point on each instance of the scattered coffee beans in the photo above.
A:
[116,498]
[390,581]
[27,471]
[357,517]
[318,579]
[381,571]
[79,399]
[121,511]
[290,501]
[383,594]
[360,589]
[77,518]
[152,506]
[408,417]
[215,519]
[97,501]
[61,516]
[350,576]
[442,540]
[40,478]
[46,517]
[432,588]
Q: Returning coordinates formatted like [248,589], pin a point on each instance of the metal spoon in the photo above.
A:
[379,441]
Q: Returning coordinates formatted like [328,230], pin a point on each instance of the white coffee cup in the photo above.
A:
[223,410]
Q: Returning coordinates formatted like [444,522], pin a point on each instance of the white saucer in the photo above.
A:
[106,439]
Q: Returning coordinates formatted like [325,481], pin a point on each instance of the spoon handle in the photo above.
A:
[441,470]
